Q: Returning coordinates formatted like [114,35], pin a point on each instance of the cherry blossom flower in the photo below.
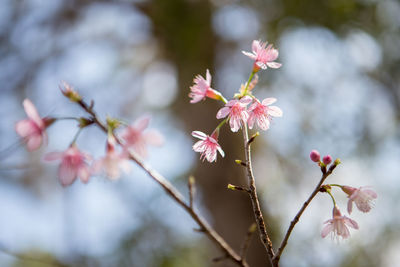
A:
[32,130]
[207,146]
[362,196]
[338,225]
[263,56]
[202,89]
[73,164]
[236,109]
[112,162]
[262,113]
[137,138]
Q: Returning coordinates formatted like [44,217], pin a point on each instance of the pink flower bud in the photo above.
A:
[314,155]
[327,159]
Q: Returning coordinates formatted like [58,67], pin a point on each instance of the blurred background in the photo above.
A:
[338,88]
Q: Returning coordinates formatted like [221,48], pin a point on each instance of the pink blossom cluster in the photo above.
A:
[241,111]
[363,197]
[75,163]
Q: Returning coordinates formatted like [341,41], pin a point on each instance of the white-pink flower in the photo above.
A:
[363,197]
[263,55]
[338,225]
[137,138]
[202,89]
[207,146]
[236,109]
[112,162]
[262,113]
[32,130]
[73,164]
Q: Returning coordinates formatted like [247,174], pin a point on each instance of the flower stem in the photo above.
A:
[248,82]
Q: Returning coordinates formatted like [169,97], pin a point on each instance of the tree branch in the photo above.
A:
[325,175]
[174,194]
[254,198]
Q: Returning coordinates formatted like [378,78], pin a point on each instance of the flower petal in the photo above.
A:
[274,65]
[24,128]
[67,174]
[32,112]
[326,230]
[199,135]
[34,142]
[275,111]
[268,101]
[223,112]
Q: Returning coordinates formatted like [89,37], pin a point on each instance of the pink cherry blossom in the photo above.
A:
[202,89]
[263,56]
[363,197]
[338,225]
[207,146]
[32,130]
[262,113]
[137,138]
[112,162]
[73,164]
[236,109]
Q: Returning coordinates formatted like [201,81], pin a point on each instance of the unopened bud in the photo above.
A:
[314,156]
[113,123]
[337,162]
[327,159]
[83,122]
[70,93]
[231,187]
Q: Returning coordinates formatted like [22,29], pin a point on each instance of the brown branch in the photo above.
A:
[325,175]
[254,198]
[174,194]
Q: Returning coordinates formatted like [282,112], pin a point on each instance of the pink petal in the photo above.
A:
[221,151]
[154,138]
[32,113]
[274,65]
[251,121]
[199,135]
[199,146]
[275,111]
[370,193]
[256,46]
[53,156]
[350,206]
[263,123]
[326,230]
[351,223]
[246,100]
[250,55]
[67,174]
[24,127]
[223,112]
[84,174]
[235,124]
[268,101]
[208,77]
[142,123]
[34,142]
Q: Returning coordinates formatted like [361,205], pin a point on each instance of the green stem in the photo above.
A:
[338,185]
[221,123]
[333,199]
[76,136]
[248,82]
[67,118]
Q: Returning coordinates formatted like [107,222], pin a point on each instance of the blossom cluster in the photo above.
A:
[241,111]
[363,198]
[76,163]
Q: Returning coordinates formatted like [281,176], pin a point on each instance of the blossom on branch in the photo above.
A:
[263,56]
[33,129]
[362,196]
[262,113]
[207,146]
[236,110]
[73,164]
[202,89]
[137,138]
[112,162]
[338,225]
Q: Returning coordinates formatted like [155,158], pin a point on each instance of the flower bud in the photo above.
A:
[327,159]
[70,93]
[314,155]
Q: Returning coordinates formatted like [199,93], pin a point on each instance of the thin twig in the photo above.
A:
[325,175]
[254,198]
[246,243]
[174,194]
[192,190]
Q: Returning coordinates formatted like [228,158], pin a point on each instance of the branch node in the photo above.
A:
[239,188]
[240,162]
[252,138]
